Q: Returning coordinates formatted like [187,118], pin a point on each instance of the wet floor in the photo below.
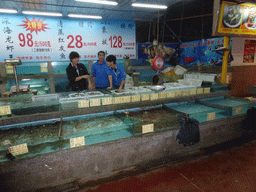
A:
[231,167]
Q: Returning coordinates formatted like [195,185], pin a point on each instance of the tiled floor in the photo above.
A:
[232,169]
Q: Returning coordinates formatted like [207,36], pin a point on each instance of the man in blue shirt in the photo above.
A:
[116,74]
[100,79]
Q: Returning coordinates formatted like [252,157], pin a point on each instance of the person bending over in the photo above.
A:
[116,74]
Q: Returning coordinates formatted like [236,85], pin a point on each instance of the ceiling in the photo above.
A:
[123,11]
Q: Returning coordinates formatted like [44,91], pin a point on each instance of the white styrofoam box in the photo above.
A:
[137,89]
[178,70]
[192,76]
[190,82]
[94,94]
[45,98]
[13,88]
[208,77]
[201,76]
[124,92]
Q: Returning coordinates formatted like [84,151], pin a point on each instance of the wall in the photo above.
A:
[238,45]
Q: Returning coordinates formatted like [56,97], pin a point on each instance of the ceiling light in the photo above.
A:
[99,2]
[42,13]
[85,16]
[8,11]
[149,6]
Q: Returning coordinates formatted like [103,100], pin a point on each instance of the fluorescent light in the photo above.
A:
[149,6]
[42,13]
[99,2]
[85,16]
[8,11]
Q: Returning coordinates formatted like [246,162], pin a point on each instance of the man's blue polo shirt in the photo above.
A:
[99,71]
[117,76]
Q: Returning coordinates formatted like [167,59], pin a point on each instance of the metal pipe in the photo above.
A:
[16,78]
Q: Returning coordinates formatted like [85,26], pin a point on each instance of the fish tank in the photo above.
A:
[46,136]
[198,111]
[151,119]
[233,105]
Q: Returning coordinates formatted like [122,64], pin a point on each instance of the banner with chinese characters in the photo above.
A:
[36,38]
[201,51]
[237,19]
[249,51]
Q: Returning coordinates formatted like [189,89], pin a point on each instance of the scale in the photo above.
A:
[158,64]
[15,90]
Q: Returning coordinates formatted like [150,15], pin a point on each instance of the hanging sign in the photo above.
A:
[36,38]
[237,19]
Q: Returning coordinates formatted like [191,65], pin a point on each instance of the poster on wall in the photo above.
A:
[35,38]
[149,51]
[237,19]
[249,51]
[201,52]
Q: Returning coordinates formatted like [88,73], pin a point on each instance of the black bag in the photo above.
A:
[189,132]
[250,121]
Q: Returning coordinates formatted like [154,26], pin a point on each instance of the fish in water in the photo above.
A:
[188,60]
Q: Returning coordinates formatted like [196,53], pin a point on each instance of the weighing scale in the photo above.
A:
[17,90]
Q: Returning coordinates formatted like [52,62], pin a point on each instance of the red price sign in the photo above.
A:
[116,42]
[75,41]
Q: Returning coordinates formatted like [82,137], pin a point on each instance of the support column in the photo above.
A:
[225,60]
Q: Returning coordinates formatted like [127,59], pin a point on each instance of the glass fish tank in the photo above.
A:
[27,108]
[234,106]
[69,100]
[40,137]
[56,134]
[198,111]
[152,118]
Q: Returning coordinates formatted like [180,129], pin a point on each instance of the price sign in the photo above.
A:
[94,102]
[5,110]
[186,93]
[44,67]
[106,101]
[135,98]
[117,100]
[40,38]
[77,142]
[192,91]
[145,97]
[126,99]
[200,91]
[178,93]
[210,116]
[162,95]
[154,96]
[207,90]
[147,128]
[9,69]
[19,149]
[83,103]
[171,94]
[238,110]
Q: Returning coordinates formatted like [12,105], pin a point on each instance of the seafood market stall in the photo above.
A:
[83,136]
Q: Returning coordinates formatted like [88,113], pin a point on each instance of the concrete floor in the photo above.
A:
[227,167]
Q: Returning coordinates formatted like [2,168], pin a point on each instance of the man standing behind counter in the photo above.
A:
[116,74]
[100,79]
[77,73]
